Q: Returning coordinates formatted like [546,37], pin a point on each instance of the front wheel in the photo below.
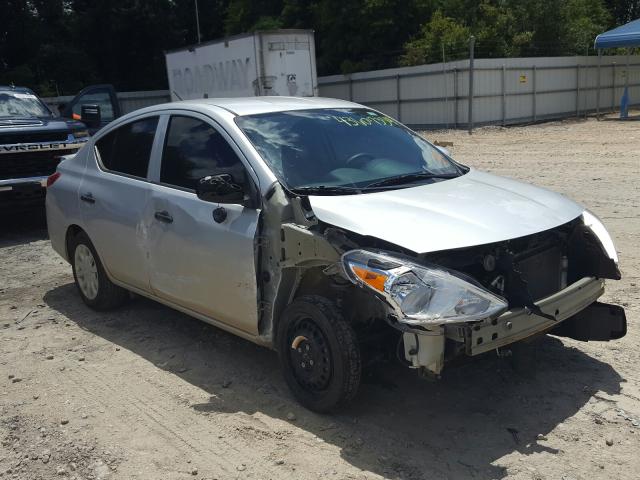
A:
[319,353]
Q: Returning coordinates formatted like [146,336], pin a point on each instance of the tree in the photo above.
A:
[585,20]
[623,11]
[438,32]
[251,15]
[59,46]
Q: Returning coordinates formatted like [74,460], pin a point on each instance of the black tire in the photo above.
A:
[108,295]
[319,353]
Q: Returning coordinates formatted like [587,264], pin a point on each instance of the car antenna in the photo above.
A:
[176,94]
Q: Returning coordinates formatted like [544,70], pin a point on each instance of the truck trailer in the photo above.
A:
[277,62]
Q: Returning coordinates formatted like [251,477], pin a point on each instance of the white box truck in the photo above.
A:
[277,62]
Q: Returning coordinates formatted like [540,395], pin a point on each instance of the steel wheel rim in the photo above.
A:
[310,355]
[86,271]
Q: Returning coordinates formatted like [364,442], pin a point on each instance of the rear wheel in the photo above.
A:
[319,353]
[95,288]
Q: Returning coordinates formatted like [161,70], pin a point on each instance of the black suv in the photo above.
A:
[33,139]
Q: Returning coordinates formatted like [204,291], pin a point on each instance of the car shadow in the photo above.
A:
[399,426]
[24,226]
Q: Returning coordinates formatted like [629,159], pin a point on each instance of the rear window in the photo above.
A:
[127,149]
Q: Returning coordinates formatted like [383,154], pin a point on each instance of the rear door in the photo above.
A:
[201,264]
[104,96]
[114,195]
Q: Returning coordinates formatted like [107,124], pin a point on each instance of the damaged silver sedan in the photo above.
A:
[329,232]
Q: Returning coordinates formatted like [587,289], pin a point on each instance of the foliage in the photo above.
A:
[58,46]
[505,28]
[439,35]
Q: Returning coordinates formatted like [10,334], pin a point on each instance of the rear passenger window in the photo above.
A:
[194,149]
[127,149]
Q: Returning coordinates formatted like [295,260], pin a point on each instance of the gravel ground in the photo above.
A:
[148,393]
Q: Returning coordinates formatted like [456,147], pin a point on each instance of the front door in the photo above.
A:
[196,262]
[103,96]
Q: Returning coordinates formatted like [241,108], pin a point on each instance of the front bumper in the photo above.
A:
[575,313]
[516,325]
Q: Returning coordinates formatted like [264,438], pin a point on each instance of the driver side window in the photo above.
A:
[194,149]
[102,99]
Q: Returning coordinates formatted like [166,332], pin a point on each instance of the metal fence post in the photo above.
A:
[585,96]
[455,96]
[504,95]
[598,87]
[472,43]
[446,95]
[398,97]
[578,90]
[626,73]
[535,97]
[613,87]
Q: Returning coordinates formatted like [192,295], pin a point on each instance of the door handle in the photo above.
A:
[163,216]
[88,198]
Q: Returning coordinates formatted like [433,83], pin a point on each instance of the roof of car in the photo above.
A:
[255,105]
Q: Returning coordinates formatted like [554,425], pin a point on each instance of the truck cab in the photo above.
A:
[33,139]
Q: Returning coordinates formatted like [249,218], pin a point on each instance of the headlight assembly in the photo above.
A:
[419,294]
[599,230]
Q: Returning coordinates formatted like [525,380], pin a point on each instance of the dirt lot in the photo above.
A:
[148,393]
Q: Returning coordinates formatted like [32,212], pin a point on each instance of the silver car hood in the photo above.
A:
[474,209]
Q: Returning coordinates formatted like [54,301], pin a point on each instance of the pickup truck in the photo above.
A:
[33,139]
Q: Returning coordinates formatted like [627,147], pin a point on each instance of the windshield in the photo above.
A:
[338,150]
[21,105]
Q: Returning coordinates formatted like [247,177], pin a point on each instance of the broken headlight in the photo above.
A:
[420,294]
[599,230]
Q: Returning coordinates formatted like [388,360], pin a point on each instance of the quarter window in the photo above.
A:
[127,149]
[194,149]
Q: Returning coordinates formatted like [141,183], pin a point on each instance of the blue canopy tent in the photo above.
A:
[626,36]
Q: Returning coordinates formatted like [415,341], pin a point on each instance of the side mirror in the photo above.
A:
[90,115]
[220,189]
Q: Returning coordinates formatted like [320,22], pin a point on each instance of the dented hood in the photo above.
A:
[474,209]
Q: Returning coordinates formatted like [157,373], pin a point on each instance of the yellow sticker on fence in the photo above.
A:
[523,79]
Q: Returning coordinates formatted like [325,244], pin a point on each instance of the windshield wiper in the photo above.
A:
[408,178]
[327,190]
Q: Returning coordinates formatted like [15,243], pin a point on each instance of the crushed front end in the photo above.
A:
[472,300]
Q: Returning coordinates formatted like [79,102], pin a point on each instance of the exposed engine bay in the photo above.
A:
[524,270]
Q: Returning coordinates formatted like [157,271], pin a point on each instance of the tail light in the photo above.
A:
[52,179]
